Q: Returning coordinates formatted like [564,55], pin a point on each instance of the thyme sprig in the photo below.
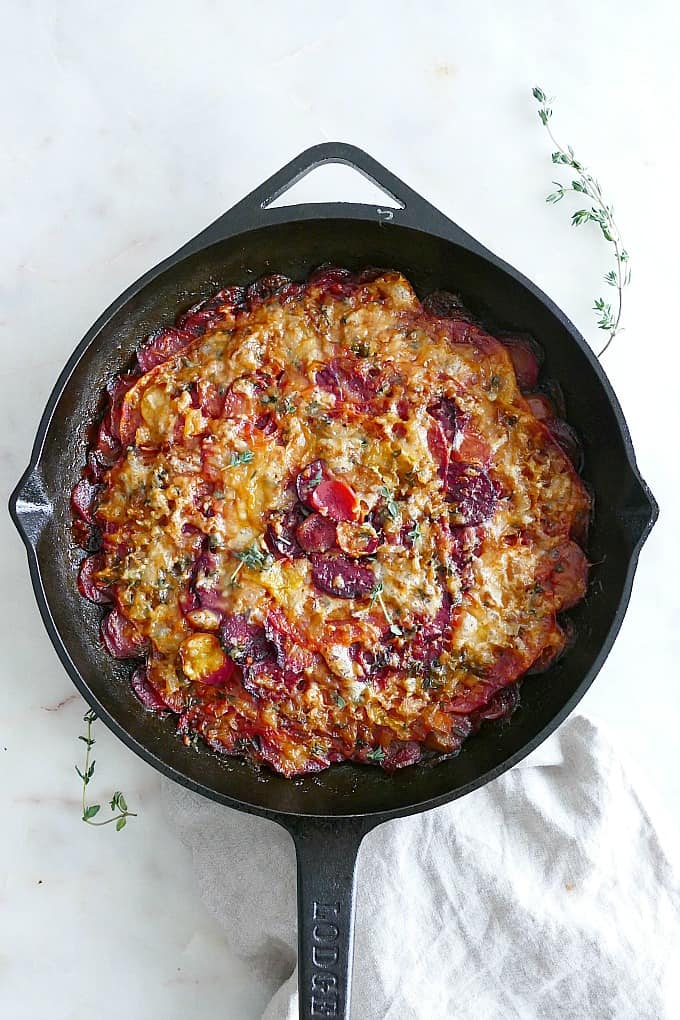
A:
[117,803]
[600,213]
[252,557]
[377,596]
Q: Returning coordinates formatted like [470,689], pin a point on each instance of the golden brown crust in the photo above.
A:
[362,607]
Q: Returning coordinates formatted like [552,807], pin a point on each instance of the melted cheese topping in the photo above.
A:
[458,607]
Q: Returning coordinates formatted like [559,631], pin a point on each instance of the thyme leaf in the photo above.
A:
[242,457]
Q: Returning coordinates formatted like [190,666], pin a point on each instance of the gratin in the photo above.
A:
[333,522]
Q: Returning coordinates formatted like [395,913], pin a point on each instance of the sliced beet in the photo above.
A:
[336,574]
[526,357]
[209,399]
[245,642]
[147,694]
[350,379]
[206,584]
[446,305]
[219,677]
[540,406]
[439,448]
[281,533]
[316,534]
[400,754]
[117,389]
[161,346]
[450,416]
[309,478]
[501,705]
[206,314]
[266,287]
[439,623]
[471,491]
[290,655]
[88,585]
[566,437]
[87,536]
[121,638]
[268,680]
[463,547]
[333,280]
[328,274]
[563,574]
[84,499]
[335,499]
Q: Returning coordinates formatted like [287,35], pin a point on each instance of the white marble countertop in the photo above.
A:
[127,127]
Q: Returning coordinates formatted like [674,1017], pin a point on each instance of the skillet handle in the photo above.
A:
[326,850]
[253,211]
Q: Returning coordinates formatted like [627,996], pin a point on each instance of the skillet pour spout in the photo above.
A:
[329,813]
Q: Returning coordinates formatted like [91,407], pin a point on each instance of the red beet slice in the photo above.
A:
[442,618]
[450,417]
[526,357]
[245,642]
[121,638]
[501,705]
[401,753]
[290,655]
[352,380]
[565,436]
[219,677]
[266,287]
[268,680]
[336,499]
[116,389]
[309,478]
[316,534]
[281,533]
[471,491]
[206,314]
[84,499]
[333,280]
[326,274]
[439,448]
[88,586]
[161,346]
[564,574]
[338,575]
[147,694]
[540,406]
[446,305]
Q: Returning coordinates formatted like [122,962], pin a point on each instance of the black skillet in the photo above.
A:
[329,814]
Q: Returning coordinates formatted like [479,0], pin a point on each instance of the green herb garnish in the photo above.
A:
[390,502]
[252,557]
[376,754]
[377,596]
[242,457]
[117,802]
[599,213]
[414,534]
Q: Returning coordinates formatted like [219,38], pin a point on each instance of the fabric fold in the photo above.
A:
[547,893]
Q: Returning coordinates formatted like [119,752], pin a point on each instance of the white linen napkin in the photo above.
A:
[547,894]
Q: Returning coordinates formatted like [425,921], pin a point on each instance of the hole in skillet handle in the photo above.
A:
[326,851]
[406,207]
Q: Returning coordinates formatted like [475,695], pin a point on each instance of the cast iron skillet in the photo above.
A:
[328,814]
